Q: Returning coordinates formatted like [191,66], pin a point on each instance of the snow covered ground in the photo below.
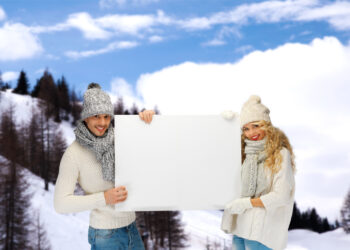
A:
[69,232]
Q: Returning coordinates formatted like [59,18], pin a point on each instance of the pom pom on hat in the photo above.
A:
[94,85]
[254,99]
[253,110]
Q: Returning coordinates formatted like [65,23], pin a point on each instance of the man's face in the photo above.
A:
[98,124]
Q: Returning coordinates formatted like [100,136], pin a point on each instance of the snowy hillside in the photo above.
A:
[24,105]
[70,231]
[67,232]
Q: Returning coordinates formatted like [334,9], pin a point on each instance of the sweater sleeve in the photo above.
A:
[64,199]
[283,185]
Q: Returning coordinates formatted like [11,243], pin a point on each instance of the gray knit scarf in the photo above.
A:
[102,146]
[254,182]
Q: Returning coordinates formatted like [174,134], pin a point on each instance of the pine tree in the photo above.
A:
[325,227]
[175,233]
[315,221]
[58,147]
[36,89]
[22,84]
[134,109]
[40,240]
[63,96]
[345,214]
[34,143]
[15,197]
[161,229]
[49,94]
[119,108]
[1,82]
[296,218]
[3,174]
[76,107]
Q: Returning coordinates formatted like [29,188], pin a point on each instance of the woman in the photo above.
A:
[261,217]
[89,160]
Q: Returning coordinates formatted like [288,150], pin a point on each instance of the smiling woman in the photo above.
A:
[260,218]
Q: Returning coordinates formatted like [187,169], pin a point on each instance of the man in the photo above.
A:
[90,160]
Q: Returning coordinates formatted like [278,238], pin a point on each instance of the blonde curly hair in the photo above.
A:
[275,141]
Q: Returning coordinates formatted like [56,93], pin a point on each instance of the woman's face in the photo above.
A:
[98,124]
[253,131]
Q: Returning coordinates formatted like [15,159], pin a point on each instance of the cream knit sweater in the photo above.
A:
[80,165]
[268,225]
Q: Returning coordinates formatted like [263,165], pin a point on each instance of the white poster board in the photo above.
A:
[177,162]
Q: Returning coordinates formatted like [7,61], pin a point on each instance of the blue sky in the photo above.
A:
[203,57]
[150,43]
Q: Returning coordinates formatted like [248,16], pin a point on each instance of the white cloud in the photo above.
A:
[17,42]
[9,76]
[222,34]
[2,14]
[244,49]
[82,21]
[268,11]
[270,72]
[304,85]
[121,88]
[130,24]
[155,39]
[121,3]
[85,23]
[214,42]
[337,14]
[109,48]
[107,26]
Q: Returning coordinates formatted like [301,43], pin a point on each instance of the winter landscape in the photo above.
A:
[177,57]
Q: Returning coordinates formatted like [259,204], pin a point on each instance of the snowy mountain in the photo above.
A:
[67,232]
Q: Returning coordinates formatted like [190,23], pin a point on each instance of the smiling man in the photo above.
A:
[90,161]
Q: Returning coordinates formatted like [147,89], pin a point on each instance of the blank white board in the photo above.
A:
[177,162]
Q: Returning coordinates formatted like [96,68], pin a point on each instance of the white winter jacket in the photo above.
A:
[268,225]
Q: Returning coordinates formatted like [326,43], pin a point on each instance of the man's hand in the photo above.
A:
[238,206]
[146,115]
[116,195]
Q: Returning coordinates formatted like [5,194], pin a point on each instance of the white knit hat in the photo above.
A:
[96,102]
[253,111]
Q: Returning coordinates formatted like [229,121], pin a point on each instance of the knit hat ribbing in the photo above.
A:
[253,110]
[96,102]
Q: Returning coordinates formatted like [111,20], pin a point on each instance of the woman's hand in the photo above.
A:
[238,206]
[116,195]
[146,115]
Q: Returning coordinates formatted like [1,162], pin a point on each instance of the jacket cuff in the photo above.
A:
[100,199]
[266,200]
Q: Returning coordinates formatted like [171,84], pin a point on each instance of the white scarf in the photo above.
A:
[254,182]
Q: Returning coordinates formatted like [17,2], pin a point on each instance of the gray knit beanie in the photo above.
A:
[96,102]
[253,110]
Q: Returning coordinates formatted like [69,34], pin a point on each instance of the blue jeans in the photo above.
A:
[124,238]
[239,243]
